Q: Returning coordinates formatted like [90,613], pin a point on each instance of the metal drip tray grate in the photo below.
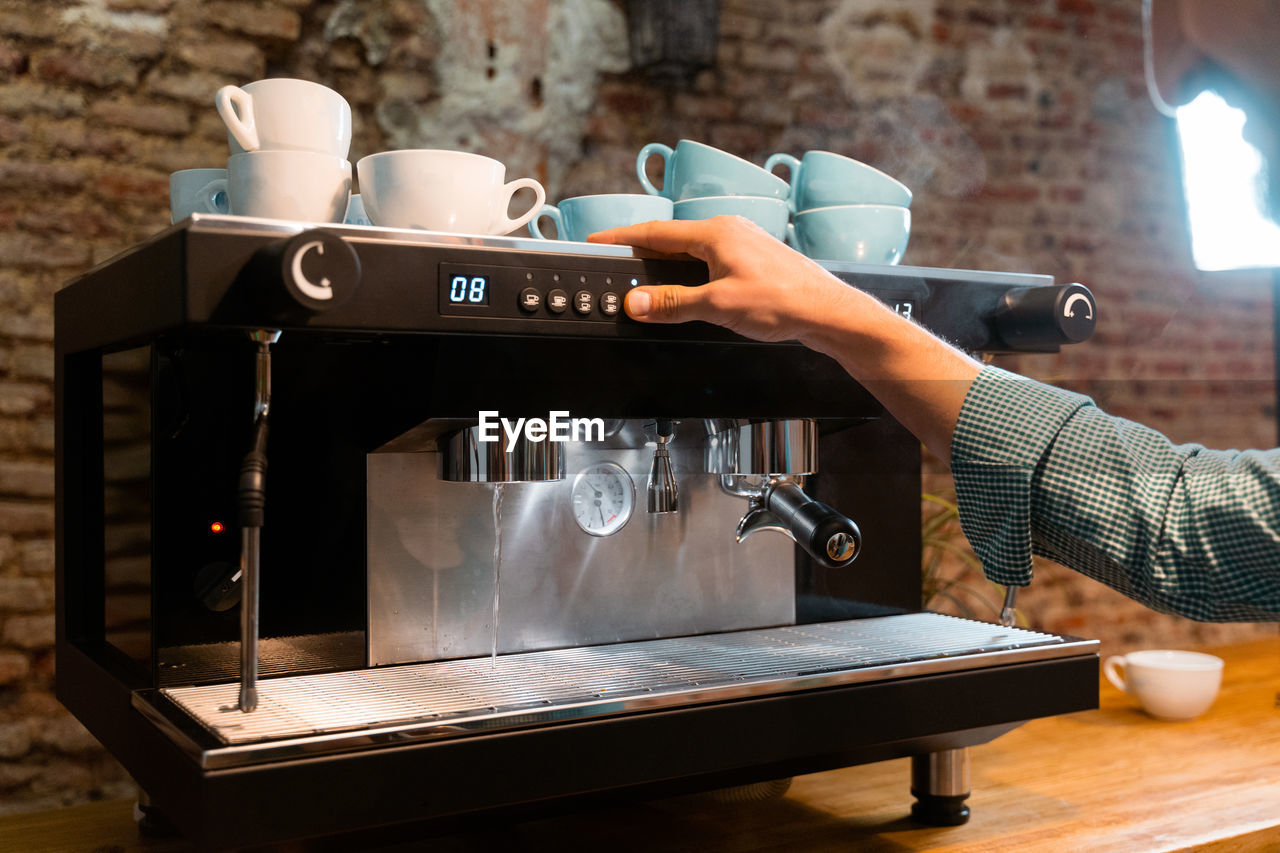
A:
[535,687]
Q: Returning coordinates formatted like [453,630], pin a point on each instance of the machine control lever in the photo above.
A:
[312,272]
[829,537]
[1045,318]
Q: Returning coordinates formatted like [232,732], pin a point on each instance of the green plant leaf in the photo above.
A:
[950,506]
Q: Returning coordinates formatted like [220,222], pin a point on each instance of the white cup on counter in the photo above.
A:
[440,190]
[187,193]
[283,114]
[1168,684]
[299,185]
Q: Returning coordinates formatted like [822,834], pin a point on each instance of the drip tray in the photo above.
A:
[305,714]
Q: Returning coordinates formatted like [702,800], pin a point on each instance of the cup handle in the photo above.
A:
[791,236]
[793,169]
[1111,669]
[206,195]
[551,212]
[235,105]
[505,225]
[643,158]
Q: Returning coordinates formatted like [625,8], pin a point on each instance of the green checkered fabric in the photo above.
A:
[1185,530]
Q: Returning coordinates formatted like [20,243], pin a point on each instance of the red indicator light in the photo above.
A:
[216,527]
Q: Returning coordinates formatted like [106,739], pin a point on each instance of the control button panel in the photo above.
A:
[571,296]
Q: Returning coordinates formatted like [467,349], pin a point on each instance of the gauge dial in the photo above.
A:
[603,498]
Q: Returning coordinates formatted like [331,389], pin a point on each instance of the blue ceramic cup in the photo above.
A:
[694,170]
[863,233]
[577,217]
[355,211]
[823,179]
[769,213]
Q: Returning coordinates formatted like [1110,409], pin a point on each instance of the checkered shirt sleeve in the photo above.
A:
[1183,529]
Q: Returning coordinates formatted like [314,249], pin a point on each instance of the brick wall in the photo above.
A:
[1022,126]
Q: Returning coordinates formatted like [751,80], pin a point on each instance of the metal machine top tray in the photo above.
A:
[310,714]
[232,272]
[212,223]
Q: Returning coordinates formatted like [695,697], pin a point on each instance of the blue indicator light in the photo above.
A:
[473,290]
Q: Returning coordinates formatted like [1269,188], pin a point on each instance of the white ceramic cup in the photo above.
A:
[439,190]
[285,114]
[1170,685]
[299,185]
[186,194]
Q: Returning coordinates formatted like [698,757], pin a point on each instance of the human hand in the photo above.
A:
[758,287]
[761,289]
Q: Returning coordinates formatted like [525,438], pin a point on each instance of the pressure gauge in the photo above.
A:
[603,498]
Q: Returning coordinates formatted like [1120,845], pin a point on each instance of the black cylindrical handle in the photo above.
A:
[312,272]
[828,536]
[1045,318]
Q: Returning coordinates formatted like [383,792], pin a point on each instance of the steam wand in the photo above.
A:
[1009,612]
[252,497]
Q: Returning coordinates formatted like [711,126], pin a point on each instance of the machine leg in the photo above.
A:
[940,784]
[152,822]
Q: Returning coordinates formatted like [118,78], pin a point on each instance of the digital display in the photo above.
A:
[469,289]
[905,307]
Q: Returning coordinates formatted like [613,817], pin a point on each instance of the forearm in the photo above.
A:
[920,380]
[1180,528]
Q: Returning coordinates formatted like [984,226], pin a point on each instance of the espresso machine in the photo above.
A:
[363,528]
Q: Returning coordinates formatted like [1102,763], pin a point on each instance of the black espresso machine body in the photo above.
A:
[435,644]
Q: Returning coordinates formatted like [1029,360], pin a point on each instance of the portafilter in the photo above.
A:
[766,463]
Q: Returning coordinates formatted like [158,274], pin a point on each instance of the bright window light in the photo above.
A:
[1220,177]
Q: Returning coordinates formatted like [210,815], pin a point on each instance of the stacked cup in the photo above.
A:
[845,210]
[703,182]
[289,141]
[575,218]
[197,191]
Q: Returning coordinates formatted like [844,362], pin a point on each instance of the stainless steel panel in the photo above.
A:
[363,708]
[431,548]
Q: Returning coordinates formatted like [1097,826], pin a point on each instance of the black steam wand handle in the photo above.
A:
[251,500]
[1042,319]
[829,537]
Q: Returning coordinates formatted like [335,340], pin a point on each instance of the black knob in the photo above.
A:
[312,272]
[1045,318]
[829,537]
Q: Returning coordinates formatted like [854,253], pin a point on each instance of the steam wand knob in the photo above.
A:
[1041,319]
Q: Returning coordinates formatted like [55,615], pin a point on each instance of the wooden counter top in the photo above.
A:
[1106,780]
